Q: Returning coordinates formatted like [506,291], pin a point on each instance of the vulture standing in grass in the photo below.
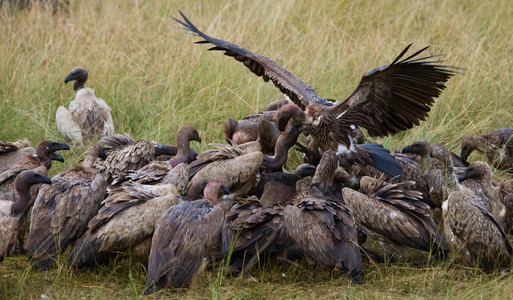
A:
[471,228]
[388,100]
[158,171]
[394,215]
[126,220]
[497,145]
[62,210]
[41,162]
[124,154]
[183,239]
[10,153]
[88,117]
[11,212]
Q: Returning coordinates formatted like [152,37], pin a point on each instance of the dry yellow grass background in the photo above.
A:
[156,80]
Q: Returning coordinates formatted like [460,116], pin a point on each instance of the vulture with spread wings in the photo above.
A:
[388,100]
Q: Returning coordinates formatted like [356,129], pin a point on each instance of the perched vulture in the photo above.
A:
[388,100]
[41,162]
[10,153]
[497,145]
[62,210]
[394,215]
[88,117]
[11,212]
[125,221]
[183,239]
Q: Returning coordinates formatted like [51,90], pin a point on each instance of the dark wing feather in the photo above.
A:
[394,97]
[183,238]
[298,91]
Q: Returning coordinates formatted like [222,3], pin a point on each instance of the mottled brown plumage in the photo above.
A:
[394,215]
[184,237]
[88,117]
[124,154]
[157,171]
[41,162]
[325,231]
[11,212]
[235,167]
[11,152]
[497,145]
[388,100]
[62,210]
[253,230]
[489,191]
[475,232]
[125,221]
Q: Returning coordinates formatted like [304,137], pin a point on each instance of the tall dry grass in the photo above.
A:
[156,80]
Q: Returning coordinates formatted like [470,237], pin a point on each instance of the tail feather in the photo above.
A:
[381,159]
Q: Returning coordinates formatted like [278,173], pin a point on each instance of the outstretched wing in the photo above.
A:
[299,92]
[394,97]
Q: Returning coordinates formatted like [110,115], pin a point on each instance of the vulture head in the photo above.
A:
[79,75]
[468,145]
[287,112]
[421,148]
[46,148]
[476,170]
[56,156]
[214,190]
[22,184]
[313,112]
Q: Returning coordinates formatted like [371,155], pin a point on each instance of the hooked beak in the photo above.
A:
[64,146]
[56,156]
[68,78]
[45,179]
[407,149]
[463,176]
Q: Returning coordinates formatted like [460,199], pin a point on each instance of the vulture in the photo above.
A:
[491,192]
[126,221]
[183,239]
[88,117]
[388,99]
[11,152]
[41,162]
[234,166]
[497,145]
[253,228]
[475,232]
[62,210]
[124,154]
[393,214]
[11,212]
[479,181]
[325,231]
[157,171]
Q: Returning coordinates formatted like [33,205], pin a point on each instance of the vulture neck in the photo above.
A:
[20,206]
[79,84]
[425,163]
[183,152]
